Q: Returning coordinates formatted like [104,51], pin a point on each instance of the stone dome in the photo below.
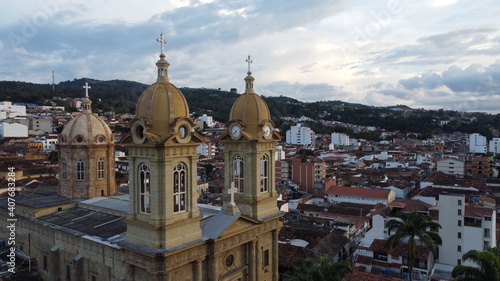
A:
[250,108]
[161,103]
[86,129]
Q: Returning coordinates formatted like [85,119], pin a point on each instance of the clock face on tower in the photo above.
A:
[268,132]
[235,131]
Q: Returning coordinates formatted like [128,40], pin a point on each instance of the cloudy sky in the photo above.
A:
[425,54]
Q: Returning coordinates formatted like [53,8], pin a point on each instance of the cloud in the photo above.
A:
[304,92]
[475,78]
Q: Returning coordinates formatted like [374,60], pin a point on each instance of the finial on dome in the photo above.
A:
[249,61]
[162,64]
[249,79]
[86,101]
[162,41]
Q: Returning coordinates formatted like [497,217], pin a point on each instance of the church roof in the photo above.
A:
[88,222]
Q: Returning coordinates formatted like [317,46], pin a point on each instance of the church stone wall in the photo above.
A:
[55,251]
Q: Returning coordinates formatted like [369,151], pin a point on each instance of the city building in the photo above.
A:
[13,130]
[340,139]
[337,194]
[10,110]
[494,146]
[301,135]
[306,171]
[465,226]
[477,143]
[209,120]
[451,166]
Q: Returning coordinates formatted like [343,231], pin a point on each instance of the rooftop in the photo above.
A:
[88,222]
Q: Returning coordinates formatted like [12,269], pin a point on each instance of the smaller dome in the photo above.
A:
[86,128]
[250,108]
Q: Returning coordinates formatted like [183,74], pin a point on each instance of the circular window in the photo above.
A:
[101,139]
[79,139]
[139,131]
[229,260]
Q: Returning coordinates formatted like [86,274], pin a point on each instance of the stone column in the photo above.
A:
[214,269]
[275,255]
[130,272]
[251,261]
[198,270]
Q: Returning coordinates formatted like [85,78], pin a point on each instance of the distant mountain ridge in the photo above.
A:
[121,96]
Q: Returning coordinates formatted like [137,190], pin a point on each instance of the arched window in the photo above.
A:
[238,173]
[145,189]
[80,170]
[100,168]
[63,169]
[264,174]
[179,188]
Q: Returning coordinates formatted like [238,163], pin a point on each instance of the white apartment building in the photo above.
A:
[495,146]
[301,135]
[451,166]
[209,120]
[49,142]
[465,227]
[340,139]
[477,143]
[9,110]
[206,149]
[14,130]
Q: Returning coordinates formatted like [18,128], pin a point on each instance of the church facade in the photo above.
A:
[158,231]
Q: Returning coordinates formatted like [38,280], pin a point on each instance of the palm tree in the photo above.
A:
[323,270]
[415,227]
[488,270]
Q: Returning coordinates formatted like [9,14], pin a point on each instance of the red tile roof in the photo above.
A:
[359,192]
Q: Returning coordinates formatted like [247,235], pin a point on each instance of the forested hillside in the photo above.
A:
[121,96]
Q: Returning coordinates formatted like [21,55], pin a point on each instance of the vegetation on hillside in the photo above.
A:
[121,96]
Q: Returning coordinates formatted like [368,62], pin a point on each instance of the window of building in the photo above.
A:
[459,261]
[100,168]
[94,278]
[459,212]
[80,170]
[63,169]
[45,263]
[487,218]
[459,248]
[459,235]
[145,188]
[265,258]
[486,245]
[487,232]
[68,272]
[238,179]
[459,223]
[179,188]
[264,174]
[459,202]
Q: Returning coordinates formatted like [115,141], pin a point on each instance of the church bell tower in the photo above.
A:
[163,210]
[249,156]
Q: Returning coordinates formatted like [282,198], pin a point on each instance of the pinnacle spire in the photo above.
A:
[162,64]
[86,100]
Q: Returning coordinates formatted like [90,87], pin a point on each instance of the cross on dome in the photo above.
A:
[162,41]
[231,192]
[249,61]
[86,87]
